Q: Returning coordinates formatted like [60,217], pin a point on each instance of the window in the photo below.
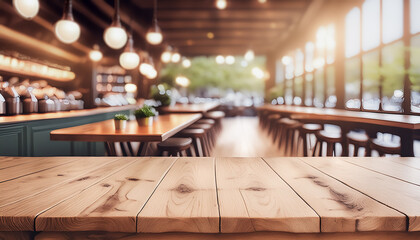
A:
[371,82]
[297,100]
[415,74]
[279,72]
[392,20]
[319,88]
[299,63]
[393,73]
[370,24]
[330,88]
[309,56]
[415,16]
[353,33]
[352,85]
[309,89]
[330,44]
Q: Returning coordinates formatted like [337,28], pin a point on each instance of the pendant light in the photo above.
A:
[176,57]
[28,9]
[147,68]
[166,55]
[154,35]
[129,59]
[95,55]
[249,55]
[115,36]
[221,4]
[66,29]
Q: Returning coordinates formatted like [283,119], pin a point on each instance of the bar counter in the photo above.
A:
[207,198]
[28,135]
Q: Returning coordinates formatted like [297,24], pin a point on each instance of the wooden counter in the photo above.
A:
[63,114]
[210,198]
[190,108]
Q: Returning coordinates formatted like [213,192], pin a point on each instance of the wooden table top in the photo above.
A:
[163,127]
[209,195]
[64,114]
[384,119]
[190,108]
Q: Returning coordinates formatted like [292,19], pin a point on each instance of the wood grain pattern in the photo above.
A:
[20,215]
[30,166]
[385,119]
[253,198]
[390,191]
[341,208]
[190,108]
[163,127]
[27,186]
[390,168]
[231,236]
[185,201]
[111,204]
[66,114]
[8,162]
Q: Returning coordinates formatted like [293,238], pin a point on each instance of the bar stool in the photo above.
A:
[358,140]
[288,128]
[272,123]
[305,133]
[198,140]
[331,138]
[217,116]
[384,147]
[209,138]
[175,146]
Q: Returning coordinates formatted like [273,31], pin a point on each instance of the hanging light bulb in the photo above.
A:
[154,35]
[115,36]
[95,55]
[66,29]
[220,59]
[166,55]
[249,55]
[176,57]
[27,8]
[147,68]
[221,4]
[230,60]
[129,59]
[186,63]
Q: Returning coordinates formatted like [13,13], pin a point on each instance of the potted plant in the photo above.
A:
[144,115]
[120,121]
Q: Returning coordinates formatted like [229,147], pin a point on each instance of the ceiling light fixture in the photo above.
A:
[186,63]
[129,59]
[176,57]
[28,9]
[249,55]
[230,60]
[66,29]
[154,35]
[95,54]
[221,4]
[115,36]
[220,59]
[166,55]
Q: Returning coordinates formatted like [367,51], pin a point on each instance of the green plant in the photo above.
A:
[120,117]
[144,112]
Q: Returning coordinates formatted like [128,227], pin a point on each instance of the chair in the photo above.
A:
[175,146]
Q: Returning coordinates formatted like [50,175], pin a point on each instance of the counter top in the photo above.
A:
[64,114]
[70,195]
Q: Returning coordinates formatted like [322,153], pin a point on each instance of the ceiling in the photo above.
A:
[244,24]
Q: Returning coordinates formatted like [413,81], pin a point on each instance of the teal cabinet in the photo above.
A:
[32,138]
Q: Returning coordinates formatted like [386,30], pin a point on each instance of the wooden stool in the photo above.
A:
[209,140]
[383,147]
[197,136]
[216,116]
[206,121]
[287,133]
[305,132]
[358,140]
[329,137]
[175,146]
[272,123]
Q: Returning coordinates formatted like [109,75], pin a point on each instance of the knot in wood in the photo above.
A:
[182,188]
[256,189]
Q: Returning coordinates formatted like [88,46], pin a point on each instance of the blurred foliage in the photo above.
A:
[275,92]
[205,72]
[161,94]
[144,112]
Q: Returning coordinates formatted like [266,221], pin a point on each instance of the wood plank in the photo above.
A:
[24,187]
[31,166]
[388,167]
[253,198]
[400,195]
[163,127]
[20,215]
[16,235]
[231,236]
[185,201]
[341,208]
[110,205]
[8,162]
[407,161]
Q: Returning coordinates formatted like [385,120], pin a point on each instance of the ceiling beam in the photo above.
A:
[175,24]
[250,15]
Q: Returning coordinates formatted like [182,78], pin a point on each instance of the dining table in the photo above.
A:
[209,198]
[190,107]
[163,127]
[407,127]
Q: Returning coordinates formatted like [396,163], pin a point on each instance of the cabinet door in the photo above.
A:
[12,141]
